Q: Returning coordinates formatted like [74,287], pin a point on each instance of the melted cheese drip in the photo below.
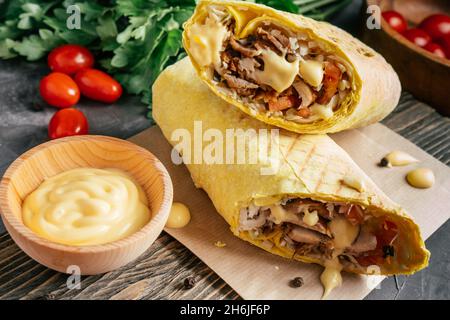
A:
[206,42]
[179,216]
[278,72]
[344,234]
[331,277]
[86,206]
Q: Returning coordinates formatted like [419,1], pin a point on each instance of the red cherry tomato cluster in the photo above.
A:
[432,34]
[72,76]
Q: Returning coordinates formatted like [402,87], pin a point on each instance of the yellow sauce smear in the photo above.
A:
[86,206]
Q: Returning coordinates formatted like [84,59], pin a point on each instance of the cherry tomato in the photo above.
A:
[417,36]
[59,90]
[70,58]
[98,85]
[395,20]
[444,42]
[67,122]
[436,25]
[436,49]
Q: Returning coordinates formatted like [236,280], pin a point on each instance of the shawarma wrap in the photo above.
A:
[288,70]
[315,206]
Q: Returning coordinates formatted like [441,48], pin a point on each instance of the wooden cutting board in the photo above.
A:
[256,274]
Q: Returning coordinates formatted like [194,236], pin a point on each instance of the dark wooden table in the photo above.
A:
[159,273]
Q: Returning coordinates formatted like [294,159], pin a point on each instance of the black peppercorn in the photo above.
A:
[388,251]
[49,296]
[297,282]
[384,162]
[189,283]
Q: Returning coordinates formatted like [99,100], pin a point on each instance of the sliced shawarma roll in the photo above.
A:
[303,199]
[288,70]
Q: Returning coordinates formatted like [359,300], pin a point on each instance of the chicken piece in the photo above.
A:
[305,93]
[237,83]
[245,51]
[273,40]
[284,40]
[282,103]
[366,241]
[298,205]
[247,66]
[320,226]
[303,235]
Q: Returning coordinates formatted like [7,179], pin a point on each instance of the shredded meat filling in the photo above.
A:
[245,51]
[242,57]
[315,239]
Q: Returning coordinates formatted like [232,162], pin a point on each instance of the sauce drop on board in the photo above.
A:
[399,158]
[421,178]
[179,216]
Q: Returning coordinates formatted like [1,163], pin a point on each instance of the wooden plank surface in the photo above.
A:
[160,272]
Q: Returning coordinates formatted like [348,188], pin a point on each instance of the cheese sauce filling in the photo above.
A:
[86,206]
[206,42]
[278,73]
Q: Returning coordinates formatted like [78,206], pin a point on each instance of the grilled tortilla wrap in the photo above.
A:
[288,70]
[317,207]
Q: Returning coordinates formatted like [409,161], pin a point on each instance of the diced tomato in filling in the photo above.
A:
[385,237]
[304,112]
[282,103]
[355,215]
[375,259]
[330,83]
[387,234]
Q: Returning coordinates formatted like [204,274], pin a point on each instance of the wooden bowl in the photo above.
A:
[28,171]
[422,73]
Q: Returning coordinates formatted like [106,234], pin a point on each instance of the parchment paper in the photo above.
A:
[256,274]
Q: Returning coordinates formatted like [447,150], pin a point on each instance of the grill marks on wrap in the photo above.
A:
[310,153]
[322,174]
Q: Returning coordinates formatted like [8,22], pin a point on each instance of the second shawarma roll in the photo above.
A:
[288,70]
[318,206]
